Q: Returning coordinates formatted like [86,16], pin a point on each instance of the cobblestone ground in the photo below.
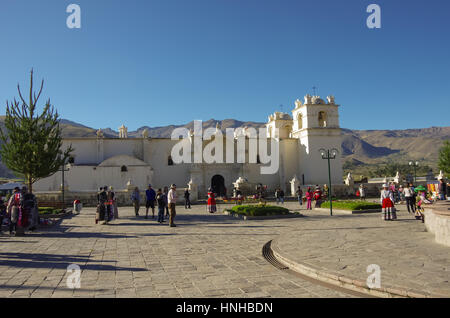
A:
[205,256]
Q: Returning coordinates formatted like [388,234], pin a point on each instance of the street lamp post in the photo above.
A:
[415,165]
[63,185]
[329,154]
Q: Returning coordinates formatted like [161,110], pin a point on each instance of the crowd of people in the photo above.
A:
[163,199]
[414,197]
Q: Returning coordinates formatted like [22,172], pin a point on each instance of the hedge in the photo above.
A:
[352,205]
[259,210]
[49,210]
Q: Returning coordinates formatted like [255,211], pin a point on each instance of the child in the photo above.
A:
[309,196]
[421,199]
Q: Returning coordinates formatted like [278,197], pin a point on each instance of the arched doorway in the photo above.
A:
[218,185]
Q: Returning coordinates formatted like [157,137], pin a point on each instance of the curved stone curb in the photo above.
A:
[347,282]
[269,217]
[349,211]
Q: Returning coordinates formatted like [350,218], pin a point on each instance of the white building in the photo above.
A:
[125,162]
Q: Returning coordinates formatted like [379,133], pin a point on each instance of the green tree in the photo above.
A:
[444,157]
[32,141]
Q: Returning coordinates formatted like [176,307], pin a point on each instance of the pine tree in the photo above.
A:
[32,141]
[444,157]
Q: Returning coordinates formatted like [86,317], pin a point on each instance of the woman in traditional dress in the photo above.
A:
[387,201]
[317,196]
[211,201]
[13,210]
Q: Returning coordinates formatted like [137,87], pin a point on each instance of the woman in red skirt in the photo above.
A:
[211,202]
[387,201]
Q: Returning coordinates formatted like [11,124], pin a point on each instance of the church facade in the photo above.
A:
[124,163]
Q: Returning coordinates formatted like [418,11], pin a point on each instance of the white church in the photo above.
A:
[125,163]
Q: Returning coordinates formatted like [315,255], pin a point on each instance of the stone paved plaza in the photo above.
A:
[206,255]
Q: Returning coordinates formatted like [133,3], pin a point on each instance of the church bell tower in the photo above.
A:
[316,126]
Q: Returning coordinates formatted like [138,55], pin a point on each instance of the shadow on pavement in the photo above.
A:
[26,260]
[22,287]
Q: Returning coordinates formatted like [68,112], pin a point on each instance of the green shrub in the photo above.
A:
[352,205]
[49,210]
[259,210]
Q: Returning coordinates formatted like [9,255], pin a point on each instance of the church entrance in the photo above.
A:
[218,185]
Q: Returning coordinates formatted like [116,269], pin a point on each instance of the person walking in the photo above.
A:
[97,212]
[166,196]
[114,203]
[309,197]
[29,210]
[13,210]
[187,201]
[161,201]
[325,191]
[409,197]
[136,199]
[300,195]
[278,195]
[150,197]
[172,200]
[31,207]
[401,193]
[362,192]
[442,189]
[110,197]
[102,198]
[387,201]
[211,204]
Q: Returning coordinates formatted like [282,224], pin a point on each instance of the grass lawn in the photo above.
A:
[259,210]
[352,205]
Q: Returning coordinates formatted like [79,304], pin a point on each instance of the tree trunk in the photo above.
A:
[30,185]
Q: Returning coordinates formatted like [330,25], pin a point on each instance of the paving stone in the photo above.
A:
[208,255]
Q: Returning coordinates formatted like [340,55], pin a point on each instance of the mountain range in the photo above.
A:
[360,148]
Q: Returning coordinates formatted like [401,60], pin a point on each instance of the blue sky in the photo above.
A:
[172,61]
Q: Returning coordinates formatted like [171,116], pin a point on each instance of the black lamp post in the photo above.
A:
[415,165]
[329,154]
[63,189]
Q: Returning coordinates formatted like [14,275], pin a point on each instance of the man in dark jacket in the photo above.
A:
[442,189]
[187,200]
